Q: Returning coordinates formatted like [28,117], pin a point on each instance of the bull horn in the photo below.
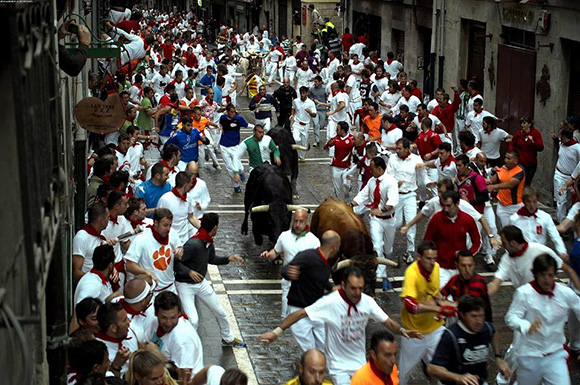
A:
[299,147]
[260,209]
[342,265]
[387,262]
[296,207]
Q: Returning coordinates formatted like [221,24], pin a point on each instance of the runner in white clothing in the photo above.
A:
[345,313]
[117,226]
[87,239]
[290,243]
[96,283]
[303,112]
[198,196]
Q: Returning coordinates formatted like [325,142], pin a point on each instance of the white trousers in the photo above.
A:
[229,154]
[341,190]
[206,294]
[286,74]
[489,216]
[331,133]
[459,127]
[340,377]
[505,212]
[272,69]
[266,123]
[424,192]
[549,370]
[563,202]
[212,153]
[285,290]
[300,133]
[383,235]
[407,210]
[352,107]
[445,275]
[308,334]
[414,350]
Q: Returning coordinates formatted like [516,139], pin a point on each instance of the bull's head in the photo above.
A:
[277,217]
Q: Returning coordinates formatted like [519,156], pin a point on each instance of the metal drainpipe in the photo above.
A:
[433,56]
[441,43]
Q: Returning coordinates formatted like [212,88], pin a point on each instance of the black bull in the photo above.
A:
[269,200]
[288,154]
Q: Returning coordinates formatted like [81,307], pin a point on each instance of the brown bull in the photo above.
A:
[356,244]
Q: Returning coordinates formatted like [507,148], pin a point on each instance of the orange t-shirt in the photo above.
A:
[511,196]
[193,103]
[367,376]
[374,126]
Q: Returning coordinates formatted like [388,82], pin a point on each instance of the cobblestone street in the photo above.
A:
[251,292]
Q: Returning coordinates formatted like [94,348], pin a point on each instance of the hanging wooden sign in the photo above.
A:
[100,116]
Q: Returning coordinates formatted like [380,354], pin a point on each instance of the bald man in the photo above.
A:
[311,370]
[309,273]
[198,195]
[290,243]
[136,300]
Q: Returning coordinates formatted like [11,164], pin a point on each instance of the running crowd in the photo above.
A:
[398,158]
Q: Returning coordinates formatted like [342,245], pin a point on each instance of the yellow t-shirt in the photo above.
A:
[417,287]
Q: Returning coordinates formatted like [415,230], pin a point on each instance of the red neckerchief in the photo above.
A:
[377,77]
[171,169]
[385,378]
[345,298]
[570,143]
[447,162]
[406,156]
[468,149]
[474,94]
[521,252]
[258,97]
[193,183]
[106,337]
[523,211]
[322,257]
[489,132]
[424,272]
[376,196]
[106,179]
[115,220]
[391,128]
[203,235]
[158,237]
[389,61]
[178,194]
[336,92]
[135,223]
[209,100]
[90,229]
[139,87]
[407,99]
[541,291]
[478,112]
[129,309]
[104,279]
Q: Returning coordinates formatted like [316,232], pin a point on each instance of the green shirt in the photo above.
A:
[259,152]
[144,120]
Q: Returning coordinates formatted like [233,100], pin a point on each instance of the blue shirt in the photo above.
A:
[207,81]
[217,94]
[187,143]
[151,192]
[231,130]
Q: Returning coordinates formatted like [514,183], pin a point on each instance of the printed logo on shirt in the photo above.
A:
[477,355]
[353,327]
[162,258]
[539,229]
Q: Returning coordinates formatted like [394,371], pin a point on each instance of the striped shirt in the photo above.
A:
[475,286]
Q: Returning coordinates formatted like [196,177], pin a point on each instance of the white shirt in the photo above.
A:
[394,68]
[390,99]
[434,120]
[182,68]
[199,194]
[181,345]
[518,270]
[114,230]
[113,347]
[528,305]
[568,158]
[134,155]
[91,285]
[536,229]
[389,192]
[275,56]
[490,142]
[353,83]
[474,123]
[155,257]
[405,170]
[345,335]
[84,245]
[291,244]
[431,105]
[473,152]
[160,82]
[448,171]
[180,209]
[332,67]
[123,160]
[228,85]
[180,89]
[412,103]
[142,323]
[342,115]
[471,100]
[290,64]
[433,205]
[571,214]
[304,78]
[357,48]
[135,93]
[390,138]
[356,69]
[300,107]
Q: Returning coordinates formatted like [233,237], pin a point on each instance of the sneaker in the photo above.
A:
[236,343]
[421,204]
[409,259]
[207,156]
[217,166]
[238,189]
[314,144]
[386,284]
[302,160]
